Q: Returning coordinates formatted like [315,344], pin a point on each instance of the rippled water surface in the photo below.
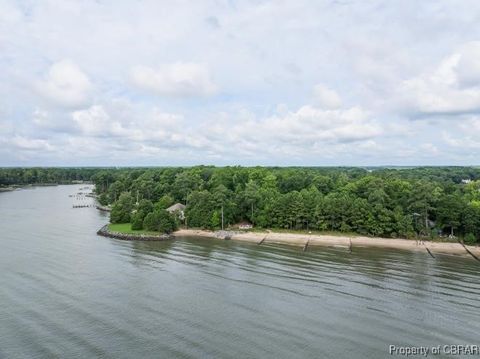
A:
[64,292]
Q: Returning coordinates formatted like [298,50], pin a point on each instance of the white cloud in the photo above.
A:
[178,79]
[91,109]
[95,121]
[452,87]
[40,118]
[468,67]
[65,84]
[30,144]
[326,97]
[306,132]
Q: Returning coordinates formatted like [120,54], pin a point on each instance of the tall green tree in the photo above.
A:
[122,209]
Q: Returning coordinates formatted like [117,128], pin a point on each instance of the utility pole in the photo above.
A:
[222,218]
[252,213]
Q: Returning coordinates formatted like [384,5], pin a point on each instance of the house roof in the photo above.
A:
[176,207]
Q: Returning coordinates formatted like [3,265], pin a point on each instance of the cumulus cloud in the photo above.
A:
[65,84]
[226,91]
[95,121]
[153,127]
[452,87]
[178,79]
[41,118]
[306,132]
[468,67]
[326,97]
[30,144]
[467,138]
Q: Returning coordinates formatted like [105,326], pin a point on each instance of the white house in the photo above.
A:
[177,209]
[245,225]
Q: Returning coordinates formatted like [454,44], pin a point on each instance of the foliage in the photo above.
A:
[392,202]
[122,209]
[470,238]
[160,221]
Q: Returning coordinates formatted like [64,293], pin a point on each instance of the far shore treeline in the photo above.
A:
[395,202]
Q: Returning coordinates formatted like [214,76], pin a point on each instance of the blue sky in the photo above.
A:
[239,82]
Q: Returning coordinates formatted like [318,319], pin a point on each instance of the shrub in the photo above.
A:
[122,209]
[470,238]
[137,220]
[160,221]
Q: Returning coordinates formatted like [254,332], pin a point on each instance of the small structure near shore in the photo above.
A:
[177,209]
[244,225]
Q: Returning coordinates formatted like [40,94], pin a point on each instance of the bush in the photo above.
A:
[470,238]
[122,209]
[103,199]
[137,220]
[160,221]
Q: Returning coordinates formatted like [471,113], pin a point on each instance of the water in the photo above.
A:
[64,292]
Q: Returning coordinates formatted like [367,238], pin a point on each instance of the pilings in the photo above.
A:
[263,239]
[306,245]
[428,250]
[468,251]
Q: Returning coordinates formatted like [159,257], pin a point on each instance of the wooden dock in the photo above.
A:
[83,205]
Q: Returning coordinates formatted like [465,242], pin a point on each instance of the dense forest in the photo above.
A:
[396,202]
[24,176]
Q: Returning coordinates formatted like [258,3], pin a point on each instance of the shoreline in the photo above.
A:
[307,240]
[106,232]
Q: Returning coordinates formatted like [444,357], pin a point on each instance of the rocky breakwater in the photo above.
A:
[106,232]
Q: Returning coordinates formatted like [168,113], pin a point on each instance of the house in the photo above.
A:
[177,209]
[245,225]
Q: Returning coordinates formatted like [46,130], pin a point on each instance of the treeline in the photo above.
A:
[394,202]
[379,202]
[24,176]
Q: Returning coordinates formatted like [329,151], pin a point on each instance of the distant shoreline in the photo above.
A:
[15,187]
[306,240]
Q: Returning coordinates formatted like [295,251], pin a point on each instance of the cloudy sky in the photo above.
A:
[239,82]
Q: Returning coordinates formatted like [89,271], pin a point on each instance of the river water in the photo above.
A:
[65,292]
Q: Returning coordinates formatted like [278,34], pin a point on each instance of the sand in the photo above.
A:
[336,241]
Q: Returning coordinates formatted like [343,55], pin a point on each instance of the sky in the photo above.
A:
[224,82]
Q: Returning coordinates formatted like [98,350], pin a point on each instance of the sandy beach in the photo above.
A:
[336,241]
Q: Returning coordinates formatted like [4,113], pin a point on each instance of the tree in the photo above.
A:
[159,221]
[185,183]
[164,202]
[137,220]
[449,211]
[201,205]
[251,198]
[470,238]
[144,207]
[215,220]
[382,202]
[122,209]
[471,218]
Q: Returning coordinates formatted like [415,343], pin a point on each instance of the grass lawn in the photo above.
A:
[127,228]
